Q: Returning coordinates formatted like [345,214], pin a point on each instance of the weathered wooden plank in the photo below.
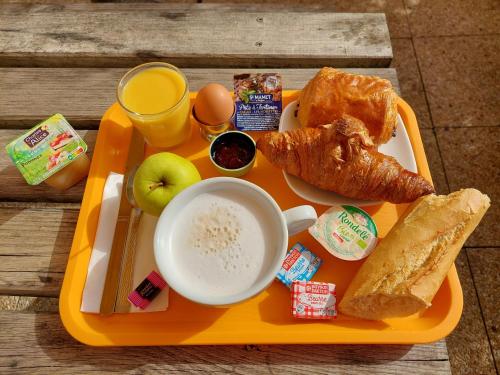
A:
[125,35]
[51,2]
[29,95]
[15,188]
[182,5]
[35,240]
[52,350]
[235,5]
[29,304]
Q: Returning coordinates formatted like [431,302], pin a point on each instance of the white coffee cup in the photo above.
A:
[287,223]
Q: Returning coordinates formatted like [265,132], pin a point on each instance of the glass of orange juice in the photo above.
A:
[155,97]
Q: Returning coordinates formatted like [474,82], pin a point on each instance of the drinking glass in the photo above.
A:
[170,126]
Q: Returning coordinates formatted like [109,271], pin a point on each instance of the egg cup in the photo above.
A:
[242,139]
[210,132]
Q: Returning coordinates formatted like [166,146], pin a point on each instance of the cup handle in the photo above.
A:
[299,218]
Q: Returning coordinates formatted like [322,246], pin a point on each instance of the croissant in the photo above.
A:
[341,157]
[332,93]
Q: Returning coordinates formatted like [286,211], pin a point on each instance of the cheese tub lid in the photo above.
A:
[347,232]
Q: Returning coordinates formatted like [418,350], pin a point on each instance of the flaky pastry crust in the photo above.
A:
[333,93]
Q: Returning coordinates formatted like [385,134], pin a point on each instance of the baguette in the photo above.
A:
[406,269]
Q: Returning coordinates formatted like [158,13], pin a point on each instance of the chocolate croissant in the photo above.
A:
[341,157]
[333,93]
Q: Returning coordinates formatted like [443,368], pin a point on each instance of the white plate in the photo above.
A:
[399,147]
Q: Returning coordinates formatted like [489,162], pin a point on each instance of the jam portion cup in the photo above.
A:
[233,153]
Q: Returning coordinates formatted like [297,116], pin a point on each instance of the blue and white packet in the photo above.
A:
[258,100]
[300,264]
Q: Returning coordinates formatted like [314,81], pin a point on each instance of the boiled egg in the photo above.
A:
[213,105]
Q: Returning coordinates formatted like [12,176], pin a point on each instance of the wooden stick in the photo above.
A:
[125,285]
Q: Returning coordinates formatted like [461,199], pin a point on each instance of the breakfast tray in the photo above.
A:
[265,319]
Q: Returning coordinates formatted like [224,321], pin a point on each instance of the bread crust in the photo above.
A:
[406,269]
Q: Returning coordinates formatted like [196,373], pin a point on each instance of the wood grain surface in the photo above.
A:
[35,239]
[38,344]
[29,95]
[128,34]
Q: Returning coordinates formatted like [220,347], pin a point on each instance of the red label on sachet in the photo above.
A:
[291,259]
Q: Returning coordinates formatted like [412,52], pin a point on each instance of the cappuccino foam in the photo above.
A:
[223,243]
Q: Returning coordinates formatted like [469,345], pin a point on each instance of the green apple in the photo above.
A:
[160,178]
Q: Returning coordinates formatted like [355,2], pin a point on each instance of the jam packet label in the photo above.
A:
[347,232]
[45,149]
[300,264]
[258,101]
[313,300]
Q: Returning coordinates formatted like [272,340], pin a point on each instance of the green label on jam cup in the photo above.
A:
[45,149]
[347,232]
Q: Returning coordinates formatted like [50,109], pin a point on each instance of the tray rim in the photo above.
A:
[67,311]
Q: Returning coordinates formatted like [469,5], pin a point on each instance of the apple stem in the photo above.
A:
[155,185]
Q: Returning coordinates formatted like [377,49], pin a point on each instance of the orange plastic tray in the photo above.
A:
[266,319]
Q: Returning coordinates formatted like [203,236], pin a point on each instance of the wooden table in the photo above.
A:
[57,58]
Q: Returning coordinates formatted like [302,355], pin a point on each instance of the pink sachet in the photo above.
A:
[147,290]
[313,300]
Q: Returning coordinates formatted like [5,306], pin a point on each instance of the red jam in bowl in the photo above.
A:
[232,150]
